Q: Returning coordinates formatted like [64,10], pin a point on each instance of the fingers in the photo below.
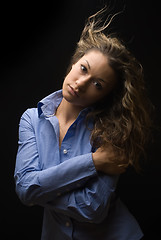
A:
[110,160]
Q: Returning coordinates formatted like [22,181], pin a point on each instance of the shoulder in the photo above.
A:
[30,113]
[29,116]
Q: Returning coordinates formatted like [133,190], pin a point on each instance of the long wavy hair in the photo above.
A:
[123,119]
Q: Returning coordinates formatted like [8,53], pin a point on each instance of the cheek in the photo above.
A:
[70,77]
[92,97]
[95,96]
[66,80]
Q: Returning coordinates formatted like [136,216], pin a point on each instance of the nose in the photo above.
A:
[82,83]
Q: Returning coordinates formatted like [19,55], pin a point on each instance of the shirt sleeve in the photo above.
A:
[89,203]
[37,186]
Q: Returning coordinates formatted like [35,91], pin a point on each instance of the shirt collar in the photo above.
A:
[48,105]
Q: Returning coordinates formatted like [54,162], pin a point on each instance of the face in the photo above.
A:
[90,80]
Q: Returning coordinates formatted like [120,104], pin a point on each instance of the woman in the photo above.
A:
[76,143]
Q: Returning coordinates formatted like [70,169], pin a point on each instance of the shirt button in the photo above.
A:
[67,224]
[65,151]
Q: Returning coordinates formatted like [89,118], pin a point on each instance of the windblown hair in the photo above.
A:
[123,119]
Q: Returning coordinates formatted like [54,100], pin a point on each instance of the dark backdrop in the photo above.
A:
[37,40]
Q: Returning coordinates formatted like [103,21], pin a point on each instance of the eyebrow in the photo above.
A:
[90,68]
[88,64]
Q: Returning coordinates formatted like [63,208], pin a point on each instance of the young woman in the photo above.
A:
[76,143]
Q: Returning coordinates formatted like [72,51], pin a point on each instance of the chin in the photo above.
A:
[67,96]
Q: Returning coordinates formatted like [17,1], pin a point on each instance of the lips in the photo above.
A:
[73,91]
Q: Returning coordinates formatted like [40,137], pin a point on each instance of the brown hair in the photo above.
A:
[123,120]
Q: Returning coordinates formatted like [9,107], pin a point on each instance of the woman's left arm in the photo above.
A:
[89,203]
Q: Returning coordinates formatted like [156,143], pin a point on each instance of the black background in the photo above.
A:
[37,41]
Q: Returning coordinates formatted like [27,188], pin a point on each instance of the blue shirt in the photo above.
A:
[79,202]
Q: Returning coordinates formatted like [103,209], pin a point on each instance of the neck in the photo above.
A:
[68,111]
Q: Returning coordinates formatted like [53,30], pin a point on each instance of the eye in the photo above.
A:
[97,84]
[83,69]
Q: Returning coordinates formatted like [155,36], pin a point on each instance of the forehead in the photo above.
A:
[95,56]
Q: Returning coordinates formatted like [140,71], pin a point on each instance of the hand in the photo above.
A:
[110,160]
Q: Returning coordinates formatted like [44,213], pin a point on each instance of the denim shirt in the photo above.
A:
[79,202]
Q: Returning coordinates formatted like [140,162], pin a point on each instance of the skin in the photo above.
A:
[89,81]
